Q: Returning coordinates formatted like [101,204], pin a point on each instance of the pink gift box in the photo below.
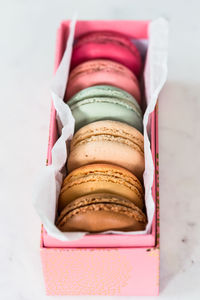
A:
[103,264]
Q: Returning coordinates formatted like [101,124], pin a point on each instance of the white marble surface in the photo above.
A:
[27,39]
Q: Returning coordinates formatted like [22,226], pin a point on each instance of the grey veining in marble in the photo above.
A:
[27,39]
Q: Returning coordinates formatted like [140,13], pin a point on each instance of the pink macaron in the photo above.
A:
[102,72]
[107,45]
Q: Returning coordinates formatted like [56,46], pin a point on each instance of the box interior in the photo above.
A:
[135,29]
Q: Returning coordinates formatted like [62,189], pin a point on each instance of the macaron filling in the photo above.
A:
[106,91]
[105,65]
[103,177]
[125,103]
[111,138]
[103,133]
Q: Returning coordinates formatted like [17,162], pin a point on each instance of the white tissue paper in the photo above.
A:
[47,188]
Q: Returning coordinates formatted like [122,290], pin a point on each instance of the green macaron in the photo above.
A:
[104,102]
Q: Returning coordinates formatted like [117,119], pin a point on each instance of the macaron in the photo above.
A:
[102,72]
[100,178]
[107,45]
[105,102]
[101,212]
[108,142]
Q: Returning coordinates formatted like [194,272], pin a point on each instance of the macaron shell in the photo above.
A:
[102,72]
[86,214]
[100,178]
[108,127]
[96,109]
[109,45]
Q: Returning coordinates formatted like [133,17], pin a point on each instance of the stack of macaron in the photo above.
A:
[104,187]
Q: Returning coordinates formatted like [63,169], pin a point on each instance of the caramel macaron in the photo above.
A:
[101,178]
[101,212]
[108,142]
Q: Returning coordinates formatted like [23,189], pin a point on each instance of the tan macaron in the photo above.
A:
[101,212]
[101,178]
[108,142]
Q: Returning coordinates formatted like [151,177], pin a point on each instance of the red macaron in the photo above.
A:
[107,45]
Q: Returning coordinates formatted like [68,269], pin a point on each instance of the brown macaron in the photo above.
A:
[101,212]
[101,178]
